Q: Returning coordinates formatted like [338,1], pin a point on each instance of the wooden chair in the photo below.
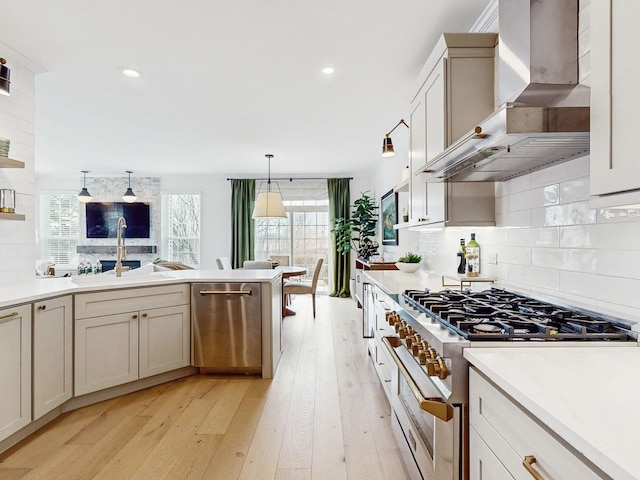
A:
[257,265]
[224,263]
[305,287]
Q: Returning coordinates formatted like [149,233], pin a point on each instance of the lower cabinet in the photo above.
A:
[15,369]
[52,354]
[505,441]
[111,350]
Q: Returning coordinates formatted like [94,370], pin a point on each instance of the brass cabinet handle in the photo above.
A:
[134,317]
[42,307]
[144,315]
[528,462]
[7,317]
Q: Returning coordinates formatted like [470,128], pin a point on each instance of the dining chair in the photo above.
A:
[257,265]
[224,263]
[305,287]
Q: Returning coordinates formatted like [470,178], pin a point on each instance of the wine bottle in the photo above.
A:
[462,265]
[473,257]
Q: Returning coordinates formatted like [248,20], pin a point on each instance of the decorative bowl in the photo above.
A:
[408,267]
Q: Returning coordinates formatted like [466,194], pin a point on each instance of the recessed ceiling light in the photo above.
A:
[328,70]
[129,72]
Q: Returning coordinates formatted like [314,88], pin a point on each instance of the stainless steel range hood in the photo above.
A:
[544,114]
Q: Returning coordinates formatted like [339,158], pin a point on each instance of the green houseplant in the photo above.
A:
[409,262]
[358,232]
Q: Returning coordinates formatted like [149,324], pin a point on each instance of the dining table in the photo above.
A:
[289,271]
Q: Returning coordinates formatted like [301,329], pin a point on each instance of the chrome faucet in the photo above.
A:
[121,251]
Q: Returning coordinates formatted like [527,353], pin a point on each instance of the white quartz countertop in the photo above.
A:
[395,281]
[41,288]
[589,396]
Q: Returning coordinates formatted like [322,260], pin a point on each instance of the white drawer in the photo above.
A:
[511,433]
[111,302]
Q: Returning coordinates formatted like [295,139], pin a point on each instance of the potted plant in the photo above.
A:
[409,263]
[358,232]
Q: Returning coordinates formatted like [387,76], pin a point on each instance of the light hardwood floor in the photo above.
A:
[323,417]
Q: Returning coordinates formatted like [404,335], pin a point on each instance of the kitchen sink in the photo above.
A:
[126,278]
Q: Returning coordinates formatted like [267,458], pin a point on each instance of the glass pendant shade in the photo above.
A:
[387,147]
[269,205]
[129,196]
[5,78]
[84,196]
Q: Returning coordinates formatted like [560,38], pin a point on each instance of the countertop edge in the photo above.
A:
[39,289]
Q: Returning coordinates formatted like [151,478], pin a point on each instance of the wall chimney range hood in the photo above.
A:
[543,119]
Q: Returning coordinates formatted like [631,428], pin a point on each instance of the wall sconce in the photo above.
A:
[5,78]
[269,204]
[129,196]
[84,196]
[387,144]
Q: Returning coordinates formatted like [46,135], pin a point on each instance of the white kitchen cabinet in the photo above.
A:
[615,166]
[164,340]
[503,435]
[52,354]
[453,93]
[106,352]
[147,333]
[15,369]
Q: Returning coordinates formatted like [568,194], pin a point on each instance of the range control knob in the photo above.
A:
[436,367]
[402,333]
[400,325]
[410,330]
[409,340]
[415,346]
[432,352]
[422,357]
[390,317]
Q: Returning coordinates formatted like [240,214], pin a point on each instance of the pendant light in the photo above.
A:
[129,196]
[269,204]
[387,144]
[84,196]
[5,78]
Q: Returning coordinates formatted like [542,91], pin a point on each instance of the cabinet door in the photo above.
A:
[483,463]
[435,100]
[165,340]
[615,166]
[15,369]
[106,352]
[52,354]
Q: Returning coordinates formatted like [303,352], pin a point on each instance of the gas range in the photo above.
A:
[500,315]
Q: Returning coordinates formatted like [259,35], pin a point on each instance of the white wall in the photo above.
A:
[17,253]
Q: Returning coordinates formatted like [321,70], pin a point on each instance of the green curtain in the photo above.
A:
[339,207]
[243,194]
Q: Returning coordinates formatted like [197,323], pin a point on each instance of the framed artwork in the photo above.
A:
[389,217]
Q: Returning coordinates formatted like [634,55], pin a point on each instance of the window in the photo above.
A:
[303,236]
[181,228]
[59,228]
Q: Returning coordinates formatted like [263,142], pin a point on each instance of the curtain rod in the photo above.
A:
[291,179]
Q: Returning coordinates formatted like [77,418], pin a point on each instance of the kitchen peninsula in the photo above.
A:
[70,342]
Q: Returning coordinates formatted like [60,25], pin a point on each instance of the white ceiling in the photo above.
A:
[223,83]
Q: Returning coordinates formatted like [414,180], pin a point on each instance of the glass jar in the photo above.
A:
[7,200]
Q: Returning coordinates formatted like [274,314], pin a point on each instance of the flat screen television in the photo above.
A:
[102,219]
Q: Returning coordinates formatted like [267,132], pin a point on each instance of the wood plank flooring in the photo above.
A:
[323,417]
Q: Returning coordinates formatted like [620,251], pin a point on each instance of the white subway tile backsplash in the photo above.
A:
[521,218]
[618,290]
[577,236]
[619,263]
[578,168]
[571,259]
[534,276]
[515,255]
[533,237]
[617,215]
[574,190]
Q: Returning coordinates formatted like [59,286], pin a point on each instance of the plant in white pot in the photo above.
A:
[409,263]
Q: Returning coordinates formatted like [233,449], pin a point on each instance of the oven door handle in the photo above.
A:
[433,406]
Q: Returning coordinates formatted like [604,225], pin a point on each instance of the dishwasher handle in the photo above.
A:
[226,292]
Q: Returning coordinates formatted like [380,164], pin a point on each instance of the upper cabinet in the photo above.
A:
[454,91]
[615,167]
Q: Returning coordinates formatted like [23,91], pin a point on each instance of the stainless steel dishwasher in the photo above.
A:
[227,327]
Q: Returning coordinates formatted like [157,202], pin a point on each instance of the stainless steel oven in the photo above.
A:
[430,430]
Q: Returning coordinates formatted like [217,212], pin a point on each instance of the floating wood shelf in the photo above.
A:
[6,162]
[12,216]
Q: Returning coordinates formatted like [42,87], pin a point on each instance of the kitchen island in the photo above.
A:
[70,342]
